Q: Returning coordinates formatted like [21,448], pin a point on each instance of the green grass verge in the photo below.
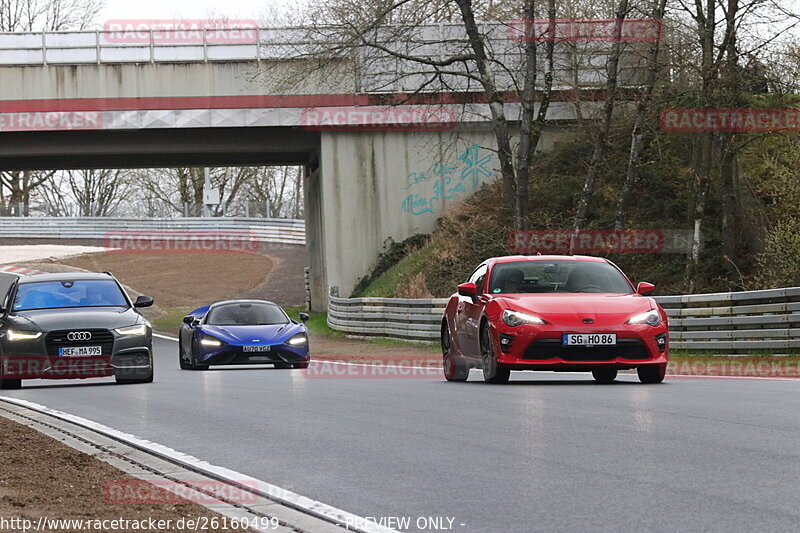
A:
[318,325]
[171,322]
[387,284]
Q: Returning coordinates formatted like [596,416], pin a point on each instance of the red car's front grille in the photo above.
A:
[552,348]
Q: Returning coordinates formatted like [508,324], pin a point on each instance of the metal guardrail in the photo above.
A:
[407,319]
[268,230]
[730,323]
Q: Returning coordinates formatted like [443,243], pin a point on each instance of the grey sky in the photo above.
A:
[186,9]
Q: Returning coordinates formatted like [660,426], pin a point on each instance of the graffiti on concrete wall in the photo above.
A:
[446,180]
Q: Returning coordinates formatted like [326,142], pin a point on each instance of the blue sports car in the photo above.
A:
[242,332]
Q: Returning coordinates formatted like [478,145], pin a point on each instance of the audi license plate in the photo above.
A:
[80,351]
[255,348]
[589,339]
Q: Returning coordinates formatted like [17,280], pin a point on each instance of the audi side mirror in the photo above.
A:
[143,301]
[645,289]
[304,317]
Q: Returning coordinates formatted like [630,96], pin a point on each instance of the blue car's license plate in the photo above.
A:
[255,348]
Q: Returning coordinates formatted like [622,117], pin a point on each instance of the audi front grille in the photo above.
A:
[62,339]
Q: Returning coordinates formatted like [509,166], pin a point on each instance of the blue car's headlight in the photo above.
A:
[297,340]
[210,342]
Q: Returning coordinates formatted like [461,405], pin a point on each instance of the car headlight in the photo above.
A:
[22,335]
[651,318]
[516,318]
[139,329]
[297,340]
[211,342]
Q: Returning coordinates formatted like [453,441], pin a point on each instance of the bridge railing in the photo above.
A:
[582,63]
[765,321]
[269,230]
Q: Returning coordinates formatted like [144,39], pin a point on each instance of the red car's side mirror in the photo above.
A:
[468,289]
[645,289]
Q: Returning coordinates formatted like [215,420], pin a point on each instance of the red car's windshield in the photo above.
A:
[557,277]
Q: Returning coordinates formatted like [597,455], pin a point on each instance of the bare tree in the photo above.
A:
[182,188]
[278,187]
[38,15]
[92,192]
[20,183]
[653,68]
[467,54]
[601,139]
[48,15]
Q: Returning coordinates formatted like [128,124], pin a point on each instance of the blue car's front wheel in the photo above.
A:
[184,364]
[192,363]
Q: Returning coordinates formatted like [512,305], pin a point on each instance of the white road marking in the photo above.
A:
[273,492]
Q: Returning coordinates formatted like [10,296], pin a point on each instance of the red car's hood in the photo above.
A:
[601,307]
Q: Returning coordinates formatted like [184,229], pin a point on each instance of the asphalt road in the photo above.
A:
[548,452]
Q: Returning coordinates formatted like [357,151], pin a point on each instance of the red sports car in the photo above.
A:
[553,312]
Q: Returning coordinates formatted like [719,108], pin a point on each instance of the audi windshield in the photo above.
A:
[68,293]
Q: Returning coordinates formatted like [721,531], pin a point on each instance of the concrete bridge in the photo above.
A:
[93,100]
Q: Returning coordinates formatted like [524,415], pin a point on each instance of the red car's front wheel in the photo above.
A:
[454,367]
[652,374]
[604,375]
[492,372]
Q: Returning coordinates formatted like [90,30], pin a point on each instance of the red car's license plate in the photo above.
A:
[589,339]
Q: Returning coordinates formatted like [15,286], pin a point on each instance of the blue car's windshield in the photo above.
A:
[557,277]
[68,293]
[246,314]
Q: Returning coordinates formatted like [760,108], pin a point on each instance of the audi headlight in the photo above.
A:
[140,329]
[516,318]
[210,342]
[22,335]
[651,318]
[297,340]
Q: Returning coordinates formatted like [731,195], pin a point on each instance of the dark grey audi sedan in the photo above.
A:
[72,325]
